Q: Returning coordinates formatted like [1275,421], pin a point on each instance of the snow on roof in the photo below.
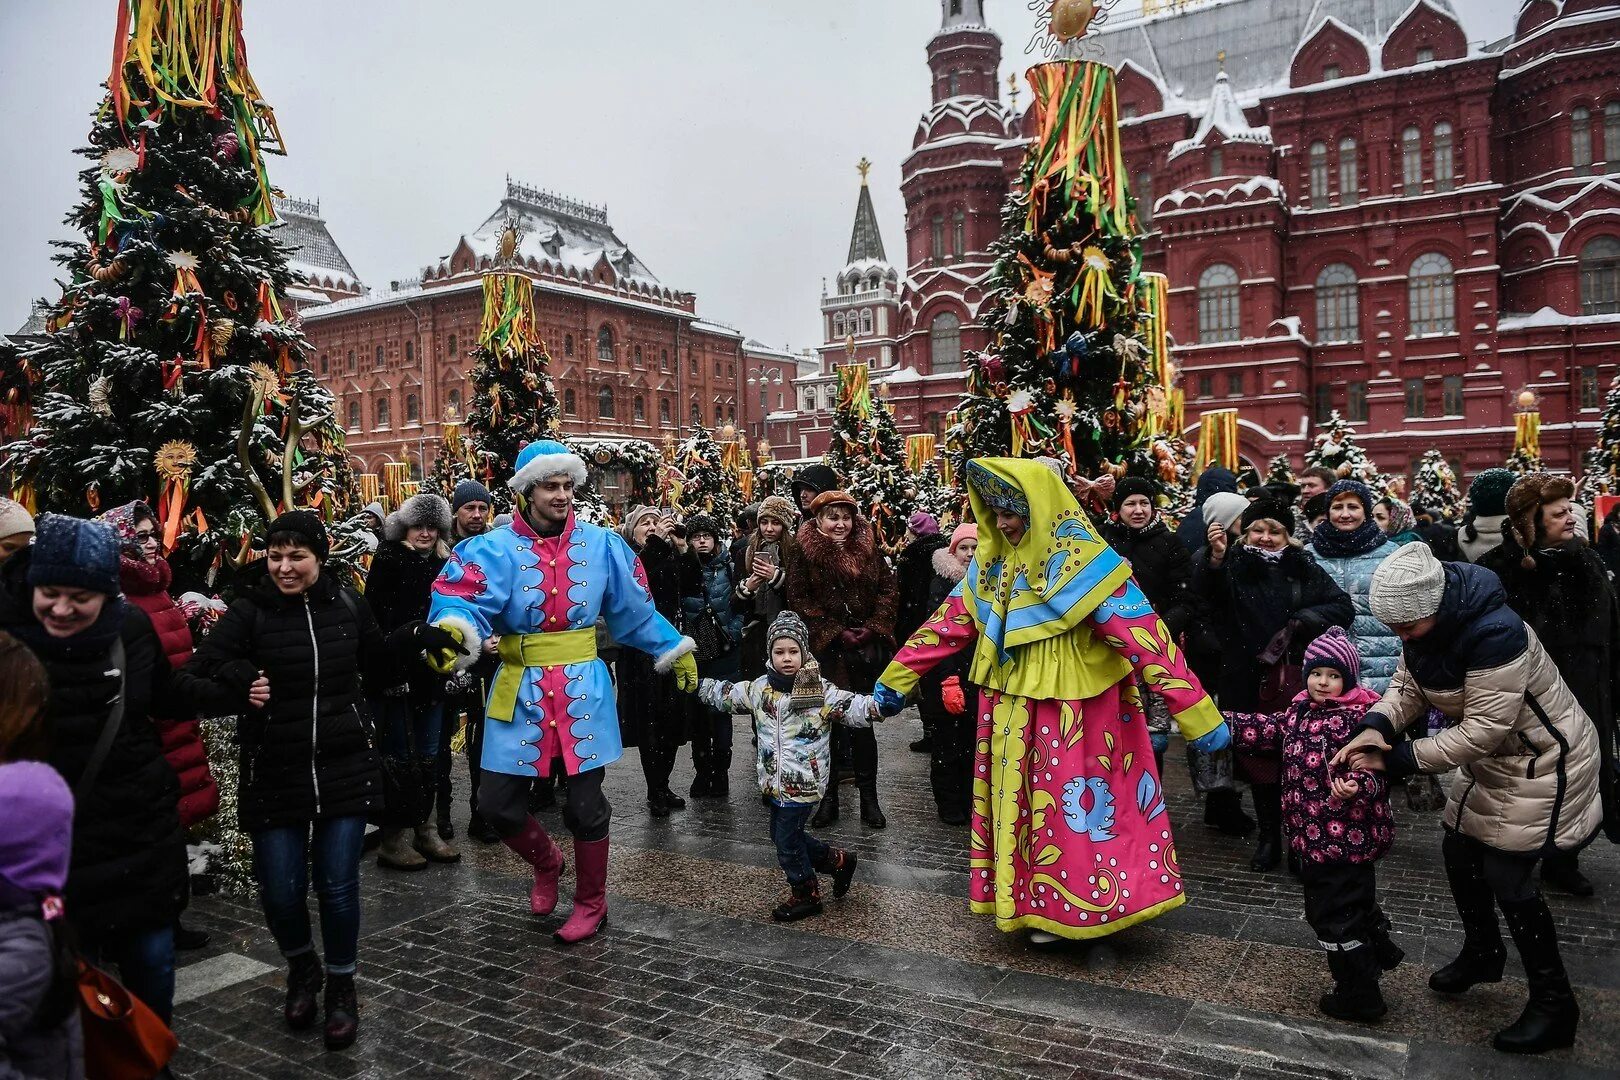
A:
[1548,317]
[902,376]
[312,253]
[1250,187]
[704,326]
[1225,116]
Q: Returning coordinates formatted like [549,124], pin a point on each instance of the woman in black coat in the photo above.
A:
[653,715]
[296,654]
[1560,587]
[1267,599]
[127,879]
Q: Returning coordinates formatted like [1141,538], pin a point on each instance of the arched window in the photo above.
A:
[838,325]
[378,361]
[380,413]
[697,414]
[568,344]
[354,416]
[663,359]
[1218,304]
[410,352]
[1580,140]
[959,234]
[1144,198]
[937,238]
[1217,162]
[1431,296]
[604,343]
[604,403]
[691,364]
[945,343]
[1611,135]
[1444,177]
[453,401]
[413,409]
[570,404]
[1412,161]
[663,411]
[1600,276]
[866,320]
[719,415]
[1349,173]
[1319,175]
[452,345]
[1337,313]
[638,408]
[351,361]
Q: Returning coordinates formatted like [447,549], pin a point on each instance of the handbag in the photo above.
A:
[123,1038]
[708,635]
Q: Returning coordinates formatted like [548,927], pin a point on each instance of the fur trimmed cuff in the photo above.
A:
[667,661]
[471,640]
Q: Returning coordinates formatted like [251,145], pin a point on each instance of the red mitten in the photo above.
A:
[950,692]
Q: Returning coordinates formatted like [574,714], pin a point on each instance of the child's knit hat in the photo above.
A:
[1334,649]
[807,692]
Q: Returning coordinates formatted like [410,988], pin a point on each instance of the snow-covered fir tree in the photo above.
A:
[1602,461]
[708,483]
[514,398]
[1435,485]
[1279,471]
[1335,447]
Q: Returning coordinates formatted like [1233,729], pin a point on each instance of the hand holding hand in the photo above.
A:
[1216,738]
[1345,787]
[441,644]
[1358,752]
[259,692]
[890,702]
[686,674]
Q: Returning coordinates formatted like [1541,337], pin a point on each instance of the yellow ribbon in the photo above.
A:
[519,652]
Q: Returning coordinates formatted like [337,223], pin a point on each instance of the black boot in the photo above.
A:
[188,940]
[1563,873]
[447,828]
[672,800]
[827,812]
[1268,852]
[1223,812]
[1551,1015]
[481,830]
[871,812]
[304,977]
[803,902]
[1355,997]
[1483,955]
[656,806]
[342,1012]
[1388,953]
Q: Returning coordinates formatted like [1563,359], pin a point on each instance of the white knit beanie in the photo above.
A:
[1407,586]
[1225,507]
[14,518]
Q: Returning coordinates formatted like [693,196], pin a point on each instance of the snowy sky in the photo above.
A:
[721,134]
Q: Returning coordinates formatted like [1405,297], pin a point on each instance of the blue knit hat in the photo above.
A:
[1353,487]
[75,554]
[470,491]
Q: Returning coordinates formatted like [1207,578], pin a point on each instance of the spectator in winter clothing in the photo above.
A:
[296,654]
[1486,522]
[471,505]
[374,515]
[1349,545]
[1527,760]
[811,481]
[1396,519]
[127,882]
[1561,589]
[762,588]
[945,698]
[1269,599]
[914,570]
[715,624]
[1315,481]
[410,714]
[737,543]
[145,576]
[39,1015]
[840,585]
[653,714]
[1194,525]
[1608,542]
[794,709]
[16,528]
[1338,823]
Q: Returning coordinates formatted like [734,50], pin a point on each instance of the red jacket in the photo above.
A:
[147,587]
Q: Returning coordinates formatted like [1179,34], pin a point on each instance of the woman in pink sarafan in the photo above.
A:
[1070,836]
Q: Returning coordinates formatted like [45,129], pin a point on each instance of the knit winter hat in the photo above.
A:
[123,520]
[1267,507]
[1407,586]
[788,624]
[1316,506]
[922,523]
[627,527]
[778,510]
[1353,487]
[76,554]
[702,523]
[807,693]
[14,518]
[307,526]
[1334,649]
[1487,495]
[965,531]
[470,491]
[1523,508]
[37,807]
[1134,485]
[1225,507]
[425,508]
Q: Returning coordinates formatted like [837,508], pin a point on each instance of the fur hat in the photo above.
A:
[702,523]
[779,510]
[543,459]
[1487,495]
[1266,507]
[835,497]
[965,531]
[1225,507]
[470,491]
[1334,649]
[1134,485]
[1523,508]
[1407,586]
[307,526]
[425,508]
[14,518]
[75,554]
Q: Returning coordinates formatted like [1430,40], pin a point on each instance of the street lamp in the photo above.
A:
[763,377]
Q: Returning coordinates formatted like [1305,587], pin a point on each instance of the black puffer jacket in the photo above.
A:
[308,755]
[1250,598]
[128,870]
[915,570]
[1160,565]
[399,590]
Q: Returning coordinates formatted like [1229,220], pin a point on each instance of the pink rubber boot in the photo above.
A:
[537,849]
[590,892]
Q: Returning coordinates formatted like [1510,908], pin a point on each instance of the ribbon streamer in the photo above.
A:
[508,328]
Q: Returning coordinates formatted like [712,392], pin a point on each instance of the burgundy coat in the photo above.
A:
[147,586]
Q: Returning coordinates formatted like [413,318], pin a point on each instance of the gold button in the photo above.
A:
[554,723]
[553,562]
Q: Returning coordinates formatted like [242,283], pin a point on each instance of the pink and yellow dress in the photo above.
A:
[1069,832]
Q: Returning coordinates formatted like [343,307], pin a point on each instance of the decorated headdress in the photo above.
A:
[543,459]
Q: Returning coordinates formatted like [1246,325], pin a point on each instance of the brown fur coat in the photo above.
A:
[839,587]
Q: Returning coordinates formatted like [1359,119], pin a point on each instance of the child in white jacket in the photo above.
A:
[794,709]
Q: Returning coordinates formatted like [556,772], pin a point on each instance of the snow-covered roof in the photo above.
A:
[965,119]
[312,253]
[1243,191]
[1225,116]
[1548,317]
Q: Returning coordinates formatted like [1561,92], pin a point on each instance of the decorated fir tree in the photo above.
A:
[1526,456]
[169,372]
[869,452]
[1279,470]
[1436,486]
[1602,461]
[1078,368]
[1336,448]
[514,399]
[707,471]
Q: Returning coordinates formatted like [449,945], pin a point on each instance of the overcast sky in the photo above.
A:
[721,134]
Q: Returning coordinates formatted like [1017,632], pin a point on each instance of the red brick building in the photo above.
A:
[630,357]
[1358,209]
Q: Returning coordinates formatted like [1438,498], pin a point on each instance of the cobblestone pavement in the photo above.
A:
[897,980]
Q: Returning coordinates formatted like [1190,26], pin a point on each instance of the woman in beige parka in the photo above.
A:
[1527,761]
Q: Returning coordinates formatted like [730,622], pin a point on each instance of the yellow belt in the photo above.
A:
[522,651]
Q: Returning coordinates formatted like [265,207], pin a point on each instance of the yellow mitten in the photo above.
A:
[443,659]
[686,673]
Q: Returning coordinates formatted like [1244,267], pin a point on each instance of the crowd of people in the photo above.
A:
[1315,644]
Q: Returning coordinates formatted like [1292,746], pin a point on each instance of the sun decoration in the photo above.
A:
[1058,22]
[118,160]
[184,260]
[174,460]
[265,382]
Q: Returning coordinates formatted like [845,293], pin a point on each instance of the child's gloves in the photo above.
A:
[1217,738]
[950,692]
[889,702]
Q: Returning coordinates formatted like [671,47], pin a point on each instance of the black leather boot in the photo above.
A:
[304,978]
[802,902]
[827,812]
[871,812]
[1268,851]
[1483,955]
[1384,948]
[1551,1015]
[1223,812]
[1563,872]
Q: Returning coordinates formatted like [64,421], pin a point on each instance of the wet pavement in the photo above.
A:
[692,978]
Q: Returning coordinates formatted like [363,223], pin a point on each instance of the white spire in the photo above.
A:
[961,13]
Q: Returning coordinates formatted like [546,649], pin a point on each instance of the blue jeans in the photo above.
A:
[145,962]
[796,850]
[281,861]
[425,723]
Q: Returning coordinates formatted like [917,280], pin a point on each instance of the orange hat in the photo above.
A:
[836,497]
